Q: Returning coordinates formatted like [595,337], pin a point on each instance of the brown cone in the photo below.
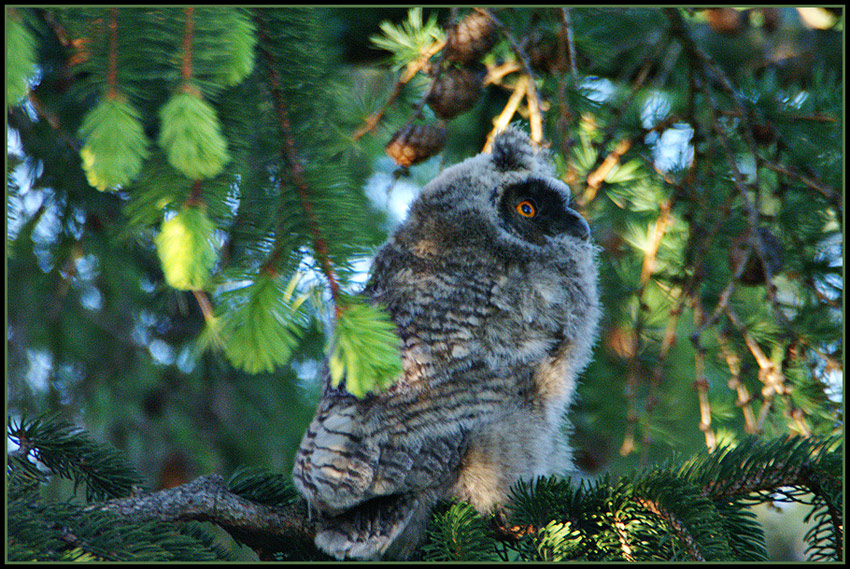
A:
[415,143]
[470,38]
[455,91]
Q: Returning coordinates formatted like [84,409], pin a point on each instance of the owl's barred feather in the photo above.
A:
[491,282]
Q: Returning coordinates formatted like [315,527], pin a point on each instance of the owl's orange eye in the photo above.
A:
[526,208]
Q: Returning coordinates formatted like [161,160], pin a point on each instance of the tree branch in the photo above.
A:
[208,499]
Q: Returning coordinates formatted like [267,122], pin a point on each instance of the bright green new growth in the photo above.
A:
[241,37]
[260,324]
[365,349]
[20,60]
[191,136]
[116,146]
[410,39]
[187,249]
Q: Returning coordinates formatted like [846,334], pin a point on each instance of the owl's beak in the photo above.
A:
[574,224]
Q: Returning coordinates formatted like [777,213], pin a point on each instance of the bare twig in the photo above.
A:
[531,89]
[204,303]
[701,384]
[186,67]
[504,118]
[733,360]
[827,192]
[568,26]
[602,169]
[112,69]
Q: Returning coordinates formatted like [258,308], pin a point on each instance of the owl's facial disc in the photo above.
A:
[533,210]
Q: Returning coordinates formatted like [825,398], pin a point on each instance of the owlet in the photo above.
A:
[491,282]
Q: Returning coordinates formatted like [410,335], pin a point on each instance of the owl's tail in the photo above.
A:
[388,527]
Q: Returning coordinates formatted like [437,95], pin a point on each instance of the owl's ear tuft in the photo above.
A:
[512,150]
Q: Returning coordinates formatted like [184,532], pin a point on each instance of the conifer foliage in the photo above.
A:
[694,512]
[186,224]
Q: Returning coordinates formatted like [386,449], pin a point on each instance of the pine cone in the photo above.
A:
[754,270]
[542,51]
[727,21]
[455,91]
[415,143]
[470,39]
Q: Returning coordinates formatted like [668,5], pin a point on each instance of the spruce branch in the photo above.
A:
[410,71]
[68,452]
[679,528]
[289,153]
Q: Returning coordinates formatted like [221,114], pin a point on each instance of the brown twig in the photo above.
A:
[188,33]
[410,72]
[531,93]
[289,153]
[565,115]
[647,270]
[701,385]
[204,303]
[770,374]
[112,72]
[504,118]
[733,360]
[571,46]
[598,173]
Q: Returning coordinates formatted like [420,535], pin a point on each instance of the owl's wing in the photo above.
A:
[345,459]
[372,490]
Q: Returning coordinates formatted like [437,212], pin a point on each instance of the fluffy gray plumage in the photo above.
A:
[491,282]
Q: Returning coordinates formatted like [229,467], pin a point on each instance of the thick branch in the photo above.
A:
[208,499]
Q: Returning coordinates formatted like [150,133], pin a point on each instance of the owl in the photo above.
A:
[491,283]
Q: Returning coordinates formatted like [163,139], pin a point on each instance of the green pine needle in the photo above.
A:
[187,249]
[20,59]
[459,534]
[241,39]
[365,349]
[262,486]
[411,39]
[116,145]
[259,325]
[71,454]
[191,136]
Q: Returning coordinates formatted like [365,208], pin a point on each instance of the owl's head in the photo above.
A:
[508,200]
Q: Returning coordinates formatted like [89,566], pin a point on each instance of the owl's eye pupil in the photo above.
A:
[526,208]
